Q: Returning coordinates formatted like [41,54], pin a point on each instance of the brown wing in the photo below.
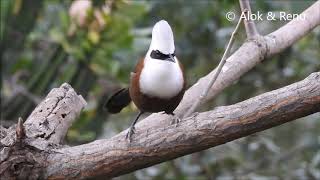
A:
[134,83]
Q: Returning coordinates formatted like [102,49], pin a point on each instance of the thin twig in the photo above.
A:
[219,68]
[249,24]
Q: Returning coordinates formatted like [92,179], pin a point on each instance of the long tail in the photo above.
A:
[118,101]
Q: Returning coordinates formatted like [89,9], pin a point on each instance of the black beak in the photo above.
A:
[170,58]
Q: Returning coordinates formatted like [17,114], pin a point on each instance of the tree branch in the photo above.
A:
[249,24]
[152,145]
[52,118]
[24,147]
[245,58]
[156,140]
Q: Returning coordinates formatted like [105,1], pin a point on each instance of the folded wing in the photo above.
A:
[118,101]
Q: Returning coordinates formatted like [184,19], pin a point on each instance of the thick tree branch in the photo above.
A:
[52,118]
[152,145]
[245,58]
[156,140]
[24,147]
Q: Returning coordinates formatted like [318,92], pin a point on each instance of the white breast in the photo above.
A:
[161,79]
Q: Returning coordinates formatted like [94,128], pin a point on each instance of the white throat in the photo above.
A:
[161,79]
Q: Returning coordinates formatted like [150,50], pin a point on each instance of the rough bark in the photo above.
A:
[32,150]
[36,152]
[60,108]
[24,147]
[152,145]
[251,53]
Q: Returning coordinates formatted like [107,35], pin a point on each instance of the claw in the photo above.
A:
[132,129]
[130,132]
[175,120]
[195,114]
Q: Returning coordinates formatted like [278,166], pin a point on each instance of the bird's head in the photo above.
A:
[162,43]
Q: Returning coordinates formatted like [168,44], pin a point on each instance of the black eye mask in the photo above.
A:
[156,54]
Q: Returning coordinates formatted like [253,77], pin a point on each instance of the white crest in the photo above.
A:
[162,38]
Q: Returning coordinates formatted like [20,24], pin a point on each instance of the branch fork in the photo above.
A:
[252,33]
[160,142]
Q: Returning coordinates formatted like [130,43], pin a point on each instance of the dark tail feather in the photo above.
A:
[118,101]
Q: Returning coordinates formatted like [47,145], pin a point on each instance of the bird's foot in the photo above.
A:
[175,120]
[195,114]
[130,132]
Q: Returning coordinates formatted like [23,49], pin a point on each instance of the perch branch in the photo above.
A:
[152,145]
[156,140]
[215,76]
[251,53]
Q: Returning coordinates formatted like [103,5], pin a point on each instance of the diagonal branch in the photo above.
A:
[244,59]
[156,140]
[115,156]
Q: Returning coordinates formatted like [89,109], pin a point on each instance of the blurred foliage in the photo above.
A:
[94,45]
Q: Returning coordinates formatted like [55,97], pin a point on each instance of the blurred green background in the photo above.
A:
[93,45]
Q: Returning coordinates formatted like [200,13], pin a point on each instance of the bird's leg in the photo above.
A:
[175,118]
[132,129]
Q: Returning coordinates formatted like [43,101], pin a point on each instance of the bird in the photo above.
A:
[157,83]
